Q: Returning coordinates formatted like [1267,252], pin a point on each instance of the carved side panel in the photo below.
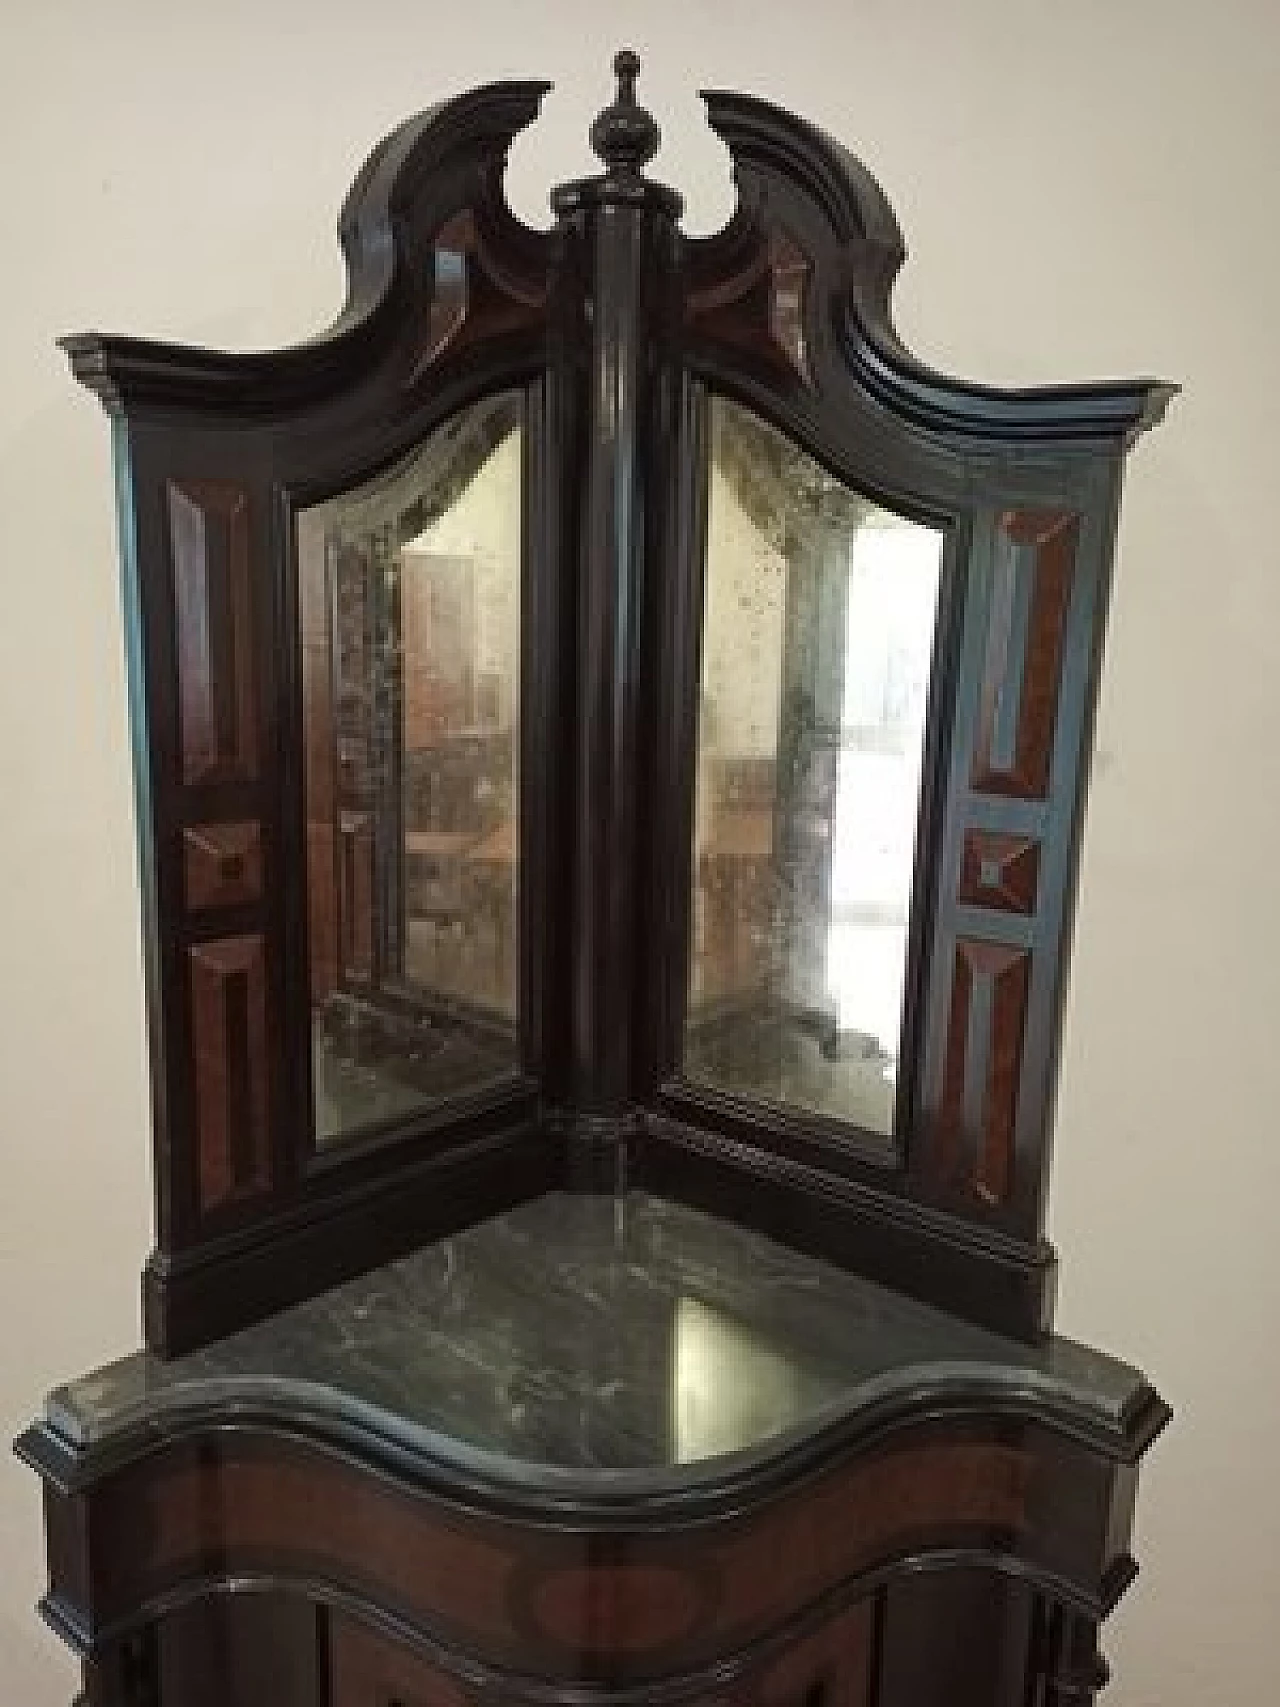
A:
[213,600]
[997,953]
[228,1032]
[983,1063]
[1033,568]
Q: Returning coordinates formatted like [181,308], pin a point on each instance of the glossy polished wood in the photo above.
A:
[223,865]
[616,1441]
[212,579]
[619,331]
[630,1598]
[228,1024]
[951,1539]
[212,613]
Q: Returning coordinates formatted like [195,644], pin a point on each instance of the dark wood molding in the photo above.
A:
[620,334]
[343,1221]
[1003,1283]
[206,530]
[443,161]
[473,1570]
[771,147]
[951,1529]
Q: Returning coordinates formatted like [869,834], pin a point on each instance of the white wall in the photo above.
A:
[1088,189]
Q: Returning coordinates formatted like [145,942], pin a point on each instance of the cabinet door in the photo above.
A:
[241,1650]
[830,1668]
[956,1639]
[369,1670]
[833,1667]
[950,1639]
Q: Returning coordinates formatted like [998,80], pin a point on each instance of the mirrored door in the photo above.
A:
[409,605]
[820,611]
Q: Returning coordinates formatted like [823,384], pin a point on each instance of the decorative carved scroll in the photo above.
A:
[471,296]
[761,306]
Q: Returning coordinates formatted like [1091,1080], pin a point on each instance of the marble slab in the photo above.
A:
[596,1340]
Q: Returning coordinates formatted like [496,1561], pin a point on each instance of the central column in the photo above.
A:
[624,229]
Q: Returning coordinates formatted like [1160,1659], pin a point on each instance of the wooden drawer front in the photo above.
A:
[368,1670]
[222,865]
[829,1668]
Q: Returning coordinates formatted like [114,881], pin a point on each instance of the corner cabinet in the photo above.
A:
[611,735]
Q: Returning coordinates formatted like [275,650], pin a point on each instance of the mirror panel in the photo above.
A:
[409,592]
[820,611]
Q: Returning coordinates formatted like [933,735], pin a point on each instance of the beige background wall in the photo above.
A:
[1087,189]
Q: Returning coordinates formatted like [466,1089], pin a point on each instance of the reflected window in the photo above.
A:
[731,1387]
[818,637]
[409,605]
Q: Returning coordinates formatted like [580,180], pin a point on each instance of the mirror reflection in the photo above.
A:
[820,611]
[409,608]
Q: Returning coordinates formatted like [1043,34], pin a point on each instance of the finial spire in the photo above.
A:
[626,68]
[625,136]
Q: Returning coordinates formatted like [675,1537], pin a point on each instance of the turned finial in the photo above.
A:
[625,136]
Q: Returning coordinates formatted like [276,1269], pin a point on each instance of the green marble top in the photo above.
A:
[599,1340]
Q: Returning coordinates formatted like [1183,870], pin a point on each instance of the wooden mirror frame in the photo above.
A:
[617,328]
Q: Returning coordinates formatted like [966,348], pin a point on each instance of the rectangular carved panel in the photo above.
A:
[213,601]
[228,1032]
[999,871]
[222,865]
[1033,571]
[983,1062]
